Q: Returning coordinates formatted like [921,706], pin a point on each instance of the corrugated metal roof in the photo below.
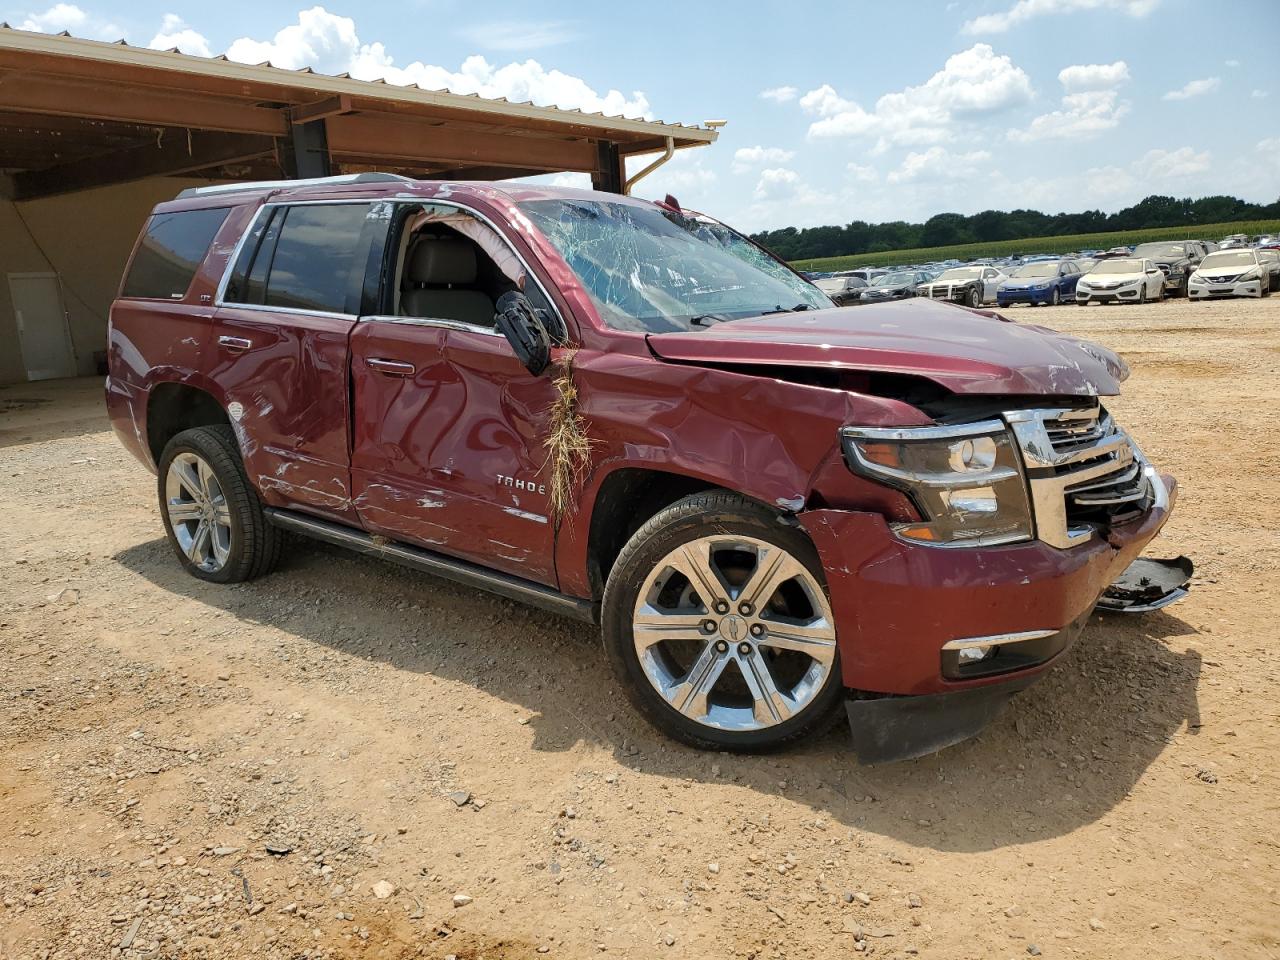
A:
[173,60]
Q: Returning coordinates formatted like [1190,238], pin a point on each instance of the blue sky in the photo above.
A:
[839,111]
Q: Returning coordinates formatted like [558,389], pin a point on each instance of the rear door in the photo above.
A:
[281,345]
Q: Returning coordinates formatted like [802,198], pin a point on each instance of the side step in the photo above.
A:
[459,571]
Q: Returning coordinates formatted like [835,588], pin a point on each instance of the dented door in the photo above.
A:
[447,443]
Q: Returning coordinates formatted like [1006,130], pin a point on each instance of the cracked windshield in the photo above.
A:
[654,271]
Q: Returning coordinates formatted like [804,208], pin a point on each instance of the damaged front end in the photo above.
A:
[1148,584]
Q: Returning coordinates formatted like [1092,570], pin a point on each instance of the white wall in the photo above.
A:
[85,238]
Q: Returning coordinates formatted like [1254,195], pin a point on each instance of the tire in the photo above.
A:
[975,298]
[1056,298]
[202,486]
[1142,297]
[715,644]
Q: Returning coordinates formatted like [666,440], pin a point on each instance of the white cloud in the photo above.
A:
[521,34]
[1090,106]
[776,183]
[779,94]
[69,17]
[1194,88]
[59,17]
[862,174]
[747,158]
[1164,165]
[1260,94]
[1269,145]
[175,33]
[1082,115]
[1232,63]
[1025,10]
[976,80]
[939,163]
[1093,76]
[329,44]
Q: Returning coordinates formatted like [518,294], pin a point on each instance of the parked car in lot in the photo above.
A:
[1040,282]
[1177,259]
[1231,273]
[895,286]
[1271,259]
[777,510]
[843,290]
[1121,280]
[972,286]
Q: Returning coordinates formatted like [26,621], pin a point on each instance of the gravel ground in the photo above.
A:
[347,759]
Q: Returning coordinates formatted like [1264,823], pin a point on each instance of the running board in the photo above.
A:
[459,571]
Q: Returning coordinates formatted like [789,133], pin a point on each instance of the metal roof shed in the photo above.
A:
[77,113]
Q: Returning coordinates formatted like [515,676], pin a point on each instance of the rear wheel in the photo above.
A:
[717,623]
[211,512]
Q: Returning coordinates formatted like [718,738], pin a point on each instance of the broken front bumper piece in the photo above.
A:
[1148,585]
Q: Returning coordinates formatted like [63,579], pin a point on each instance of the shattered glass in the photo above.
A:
[651,271]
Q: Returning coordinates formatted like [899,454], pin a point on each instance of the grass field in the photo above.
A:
[1064,244]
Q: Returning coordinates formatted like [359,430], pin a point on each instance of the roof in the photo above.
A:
[80,99]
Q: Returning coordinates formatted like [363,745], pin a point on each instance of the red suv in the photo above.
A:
[776,509]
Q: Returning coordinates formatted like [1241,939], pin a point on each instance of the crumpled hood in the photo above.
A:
[963,350]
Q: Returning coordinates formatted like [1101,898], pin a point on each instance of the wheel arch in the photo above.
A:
[173,407]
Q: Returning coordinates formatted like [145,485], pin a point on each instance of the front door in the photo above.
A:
[448,425]
[448,445]
[42,326]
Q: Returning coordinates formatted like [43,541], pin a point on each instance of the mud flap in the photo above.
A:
[887,729]
[1148,585]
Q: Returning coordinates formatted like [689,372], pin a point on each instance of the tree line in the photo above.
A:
[945,229]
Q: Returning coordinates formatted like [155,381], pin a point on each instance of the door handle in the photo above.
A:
[237,344]
[392,368]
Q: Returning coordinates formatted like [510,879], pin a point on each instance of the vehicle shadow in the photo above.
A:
[1064,753]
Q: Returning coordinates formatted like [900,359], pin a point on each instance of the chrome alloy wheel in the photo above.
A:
[198,512]
[734,632]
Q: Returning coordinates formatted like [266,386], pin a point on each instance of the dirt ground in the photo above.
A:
[318,763]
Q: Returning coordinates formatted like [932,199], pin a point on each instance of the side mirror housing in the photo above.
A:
[518,321]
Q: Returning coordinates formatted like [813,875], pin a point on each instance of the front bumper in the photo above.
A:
[1006,298]
[1212,291]
[1126,295]
[898,604]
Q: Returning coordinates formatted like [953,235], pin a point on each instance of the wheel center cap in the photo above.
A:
[733,628]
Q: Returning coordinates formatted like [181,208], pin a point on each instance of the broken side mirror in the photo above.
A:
[519,322]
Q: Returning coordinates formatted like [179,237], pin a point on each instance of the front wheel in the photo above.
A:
[975,298]
[212,514]
[717,623]
[1056,298]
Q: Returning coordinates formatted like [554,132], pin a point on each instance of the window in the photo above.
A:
[304,257]
[317,250]
[171,250]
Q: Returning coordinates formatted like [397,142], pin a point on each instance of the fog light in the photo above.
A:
[976,654]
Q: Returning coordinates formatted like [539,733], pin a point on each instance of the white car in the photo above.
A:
[1230,273]
[1128,280]
[970,286]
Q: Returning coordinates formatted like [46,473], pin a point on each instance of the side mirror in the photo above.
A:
[517,320]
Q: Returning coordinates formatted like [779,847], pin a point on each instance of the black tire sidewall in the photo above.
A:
[720,514]
[217,447]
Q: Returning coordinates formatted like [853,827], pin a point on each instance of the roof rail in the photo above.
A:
[221,188]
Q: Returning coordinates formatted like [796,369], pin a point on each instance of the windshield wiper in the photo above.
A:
[706,319]
[799,307]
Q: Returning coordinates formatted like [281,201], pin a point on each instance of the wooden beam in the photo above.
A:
[485,173]
[151,106]
[378,138]
[175,154]
[609,173]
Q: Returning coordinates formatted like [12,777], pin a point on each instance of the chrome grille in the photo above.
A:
[1083,470]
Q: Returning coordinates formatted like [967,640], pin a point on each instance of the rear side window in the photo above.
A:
[170,253]
[306,257]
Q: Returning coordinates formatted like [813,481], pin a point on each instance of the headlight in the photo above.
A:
[966,480]
[1044,286]
[1081,285]
[1253,274]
